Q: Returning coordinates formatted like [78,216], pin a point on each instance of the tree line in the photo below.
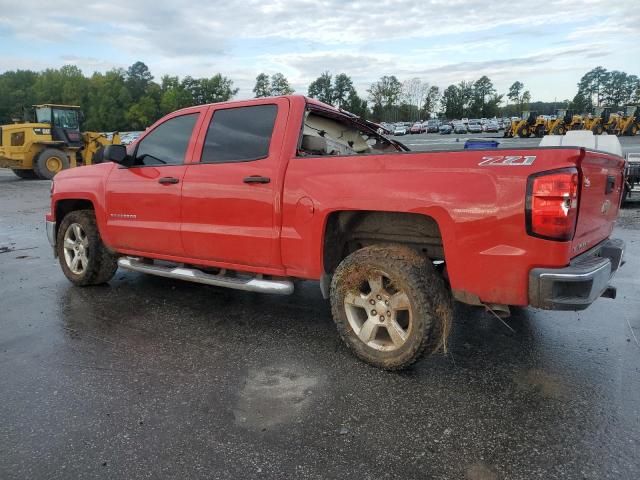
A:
[116,100]
[130,99]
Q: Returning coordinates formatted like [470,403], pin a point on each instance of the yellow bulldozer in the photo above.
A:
[51,143]
[564,121]
[529,124]
[629,123]
[600,121]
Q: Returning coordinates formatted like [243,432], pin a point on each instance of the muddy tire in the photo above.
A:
[390,306]
[49,162]
[83,257]
[25,174]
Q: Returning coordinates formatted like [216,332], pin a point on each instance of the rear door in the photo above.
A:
[230,197]
[143,200]
[599,199]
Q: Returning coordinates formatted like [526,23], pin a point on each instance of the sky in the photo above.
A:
[547,45]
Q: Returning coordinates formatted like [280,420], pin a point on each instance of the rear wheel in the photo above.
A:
[83,257]
[634,130]
[560,130]
[25,174]
[597,130]
[50,162]
[390,305]
[540,132]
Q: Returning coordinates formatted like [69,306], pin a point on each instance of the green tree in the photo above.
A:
[431,101]
[343,91]
[138,78]
[108,102]
[16,93]
[591,84]
[453,102]
[386,92]
[321,88]
[263,86]
[280,85]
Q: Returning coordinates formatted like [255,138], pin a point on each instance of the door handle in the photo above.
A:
[256,179]
[168,180]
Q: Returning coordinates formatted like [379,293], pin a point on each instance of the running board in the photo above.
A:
[280,287]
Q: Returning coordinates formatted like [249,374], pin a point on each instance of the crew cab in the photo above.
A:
[254,194]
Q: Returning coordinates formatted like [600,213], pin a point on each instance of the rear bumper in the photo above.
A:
[581,283]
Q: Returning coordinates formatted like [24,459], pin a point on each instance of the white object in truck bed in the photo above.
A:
[586,139]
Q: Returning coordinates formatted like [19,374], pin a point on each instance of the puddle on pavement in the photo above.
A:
[272,397]
[480,471]
[548,385]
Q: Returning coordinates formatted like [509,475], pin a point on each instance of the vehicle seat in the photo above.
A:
[314,144]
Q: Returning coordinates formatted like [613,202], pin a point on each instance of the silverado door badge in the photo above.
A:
[508,160]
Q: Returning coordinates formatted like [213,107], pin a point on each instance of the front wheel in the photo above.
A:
[49,162]
[390,305]
[83,257]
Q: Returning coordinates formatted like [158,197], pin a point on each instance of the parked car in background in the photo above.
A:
[432,126]
[460,128]
[491,126]
[417,128]
[400,130]
[445,129]
[474,126]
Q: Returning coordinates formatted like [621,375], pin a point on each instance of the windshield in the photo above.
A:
[43,115]
[65,119]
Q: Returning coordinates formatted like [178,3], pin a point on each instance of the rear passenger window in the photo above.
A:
[239,134]
[167,143]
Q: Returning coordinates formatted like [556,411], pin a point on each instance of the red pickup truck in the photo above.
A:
[253,194]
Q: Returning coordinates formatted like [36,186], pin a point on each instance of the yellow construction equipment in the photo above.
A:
[52,143]
[629,124]
[598,123]
[562,122]
[529,124]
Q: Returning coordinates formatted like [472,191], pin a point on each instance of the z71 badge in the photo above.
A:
[508,160]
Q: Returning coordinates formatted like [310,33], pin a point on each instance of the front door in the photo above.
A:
[143,200]
[228,197]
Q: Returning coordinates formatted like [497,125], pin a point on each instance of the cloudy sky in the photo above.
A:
[546,45]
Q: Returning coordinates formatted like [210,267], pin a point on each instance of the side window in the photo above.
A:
[239,134]
[166,144]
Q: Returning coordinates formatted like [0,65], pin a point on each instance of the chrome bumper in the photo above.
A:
[581,283]
[51,234]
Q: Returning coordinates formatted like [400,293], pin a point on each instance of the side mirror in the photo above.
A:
[115,154]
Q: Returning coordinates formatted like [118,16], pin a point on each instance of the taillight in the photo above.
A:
[552,204]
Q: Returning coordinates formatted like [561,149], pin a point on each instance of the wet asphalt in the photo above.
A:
[153,378]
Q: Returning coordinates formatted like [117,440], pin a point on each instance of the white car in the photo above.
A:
[400,130]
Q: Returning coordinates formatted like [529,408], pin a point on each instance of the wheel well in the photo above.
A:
[64,207]
[348,231]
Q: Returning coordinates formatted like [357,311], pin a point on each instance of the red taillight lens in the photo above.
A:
[552,204]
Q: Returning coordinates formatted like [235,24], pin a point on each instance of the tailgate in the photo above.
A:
[600,193]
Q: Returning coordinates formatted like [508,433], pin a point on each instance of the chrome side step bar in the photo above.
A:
[280,287]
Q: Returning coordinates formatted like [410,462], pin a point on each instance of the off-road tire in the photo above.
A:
[42,164]
[102,264]
[25,174]
[524,132]
[597,130]
[428,295]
